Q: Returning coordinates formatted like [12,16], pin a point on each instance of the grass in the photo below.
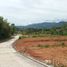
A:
[63,44]
[48,46]
[43,46]
[39,35]
[23,37]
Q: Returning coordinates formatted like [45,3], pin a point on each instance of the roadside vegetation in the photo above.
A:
[6,29]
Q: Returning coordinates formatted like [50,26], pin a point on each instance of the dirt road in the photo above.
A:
[10,58]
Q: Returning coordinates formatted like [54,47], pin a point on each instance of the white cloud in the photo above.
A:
[32,11]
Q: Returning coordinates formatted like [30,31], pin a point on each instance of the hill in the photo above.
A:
[46,25]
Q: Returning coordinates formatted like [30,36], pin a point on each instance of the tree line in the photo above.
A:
[6,29]
[52,31]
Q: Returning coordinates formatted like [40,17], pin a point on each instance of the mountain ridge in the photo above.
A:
[42,25]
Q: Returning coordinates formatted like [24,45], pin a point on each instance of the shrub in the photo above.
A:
[46,46]
[20,37]
[63,44]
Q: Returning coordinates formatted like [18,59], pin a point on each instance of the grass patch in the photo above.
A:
[63,44]
[20,37]
[23,37]
[43,46]
[52,46]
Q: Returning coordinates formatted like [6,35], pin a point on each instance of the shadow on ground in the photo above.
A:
[6,39]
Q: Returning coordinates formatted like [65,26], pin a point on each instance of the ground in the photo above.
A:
[45,48]
[9,57]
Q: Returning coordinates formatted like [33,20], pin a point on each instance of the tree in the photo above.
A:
[13,29]
[6,30]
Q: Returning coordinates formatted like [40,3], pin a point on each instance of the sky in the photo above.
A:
[24,12]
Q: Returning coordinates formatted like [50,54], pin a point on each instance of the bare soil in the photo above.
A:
[35,47]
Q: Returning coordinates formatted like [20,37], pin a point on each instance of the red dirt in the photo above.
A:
[57,55]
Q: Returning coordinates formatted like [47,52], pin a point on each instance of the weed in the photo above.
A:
[20,37]
[43,46]
[63,44]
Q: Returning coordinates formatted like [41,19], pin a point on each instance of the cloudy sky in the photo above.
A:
[24,12]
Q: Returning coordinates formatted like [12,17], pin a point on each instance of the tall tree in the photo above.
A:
[6,30]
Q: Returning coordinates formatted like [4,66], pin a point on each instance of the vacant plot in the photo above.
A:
[45,48]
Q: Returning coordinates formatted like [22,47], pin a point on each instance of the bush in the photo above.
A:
[20,37]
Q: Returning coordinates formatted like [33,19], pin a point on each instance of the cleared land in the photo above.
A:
[53,49]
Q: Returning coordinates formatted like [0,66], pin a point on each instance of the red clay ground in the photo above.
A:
[55,52]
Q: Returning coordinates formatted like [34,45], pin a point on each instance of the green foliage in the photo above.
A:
[5,28]
[23,37]
[13,29]
[52,31]
[20,37]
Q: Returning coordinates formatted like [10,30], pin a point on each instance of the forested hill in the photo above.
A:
[43,25]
